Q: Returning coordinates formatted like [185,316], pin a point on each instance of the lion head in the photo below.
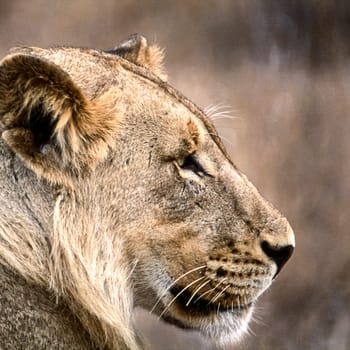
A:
[132,199]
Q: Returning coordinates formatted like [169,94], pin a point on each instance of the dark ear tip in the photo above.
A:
[136,39]
[130,45]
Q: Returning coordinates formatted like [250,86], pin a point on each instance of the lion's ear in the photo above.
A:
[46,119]
[136,49]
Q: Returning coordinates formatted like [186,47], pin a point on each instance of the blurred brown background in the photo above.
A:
[283,68]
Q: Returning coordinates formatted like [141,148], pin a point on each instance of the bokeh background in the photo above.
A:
[281,68]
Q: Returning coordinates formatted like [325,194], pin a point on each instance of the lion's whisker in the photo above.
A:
[173,283]
[212,108]
[178,294]
[215,108]
[219,294]
[218,310]
[196,291]
[224,117]
[209,291]
[222,112]
[134,264]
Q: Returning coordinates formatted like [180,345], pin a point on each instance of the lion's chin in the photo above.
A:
[223,327]
[228,327]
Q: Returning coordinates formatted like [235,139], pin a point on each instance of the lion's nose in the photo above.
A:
[280,255]
[278,242]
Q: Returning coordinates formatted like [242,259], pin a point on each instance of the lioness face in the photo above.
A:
[140,168]
[207,245]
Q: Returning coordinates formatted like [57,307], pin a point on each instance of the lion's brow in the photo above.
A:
[178,96]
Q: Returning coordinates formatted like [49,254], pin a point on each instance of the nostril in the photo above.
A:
[280,255]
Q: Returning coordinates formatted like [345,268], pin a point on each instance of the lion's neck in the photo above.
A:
[24,220]
[61,242]
[92,269]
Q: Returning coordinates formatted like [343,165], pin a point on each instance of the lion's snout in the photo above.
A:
[277,243]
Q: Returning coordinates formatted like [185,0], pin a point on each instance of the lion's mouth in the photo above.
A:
[199,306]
[191,315]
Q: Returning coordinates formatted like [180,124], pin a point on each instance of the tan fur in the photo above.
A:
[117,192]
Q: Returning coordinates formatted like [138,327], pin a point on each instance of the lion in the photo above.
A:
[116,192]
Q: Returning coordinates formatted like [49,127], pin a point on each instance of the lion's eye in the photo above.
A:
[191,163]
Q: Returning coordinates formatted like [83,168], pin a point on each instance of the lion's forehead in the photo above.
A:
[96,72]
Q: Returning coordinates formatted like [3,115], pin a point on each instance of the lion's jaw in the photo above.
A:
[183,309]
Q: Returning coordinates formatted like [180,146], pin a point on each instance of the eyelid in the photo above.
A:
[192,163]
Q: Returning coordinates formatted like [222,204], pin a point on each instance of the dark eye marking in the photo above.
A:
[191,163]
